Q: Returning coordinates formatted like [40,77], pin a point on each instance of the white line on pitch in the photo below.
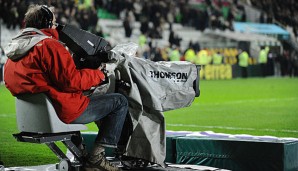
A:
[246,101]
[233,128]
[10,115]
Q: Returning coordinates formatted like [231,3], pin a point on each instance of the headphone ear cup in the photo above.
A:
[50,24]
[47,24]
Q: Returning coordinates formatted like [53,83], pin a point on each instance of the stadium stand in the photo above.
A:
[205,24]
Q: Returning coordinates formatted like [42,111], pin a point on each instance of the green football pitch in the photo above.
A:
[255,106]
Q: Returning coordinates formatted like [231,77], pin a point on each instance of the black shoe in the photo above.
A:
[102,165]
[98,162]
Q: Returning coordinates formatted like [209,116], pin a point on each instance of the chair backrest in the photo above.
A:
[35,113]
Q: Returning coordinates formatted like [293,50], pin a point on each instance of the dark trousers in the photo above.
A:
[108,112]
[264,69]
[244,72]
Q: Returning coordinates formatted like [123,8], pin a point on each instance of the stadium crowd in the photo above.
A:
[81,15]
[285,12]
[212,14]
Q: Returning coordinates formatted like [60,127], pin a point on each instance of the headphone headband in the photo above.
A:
[49,16]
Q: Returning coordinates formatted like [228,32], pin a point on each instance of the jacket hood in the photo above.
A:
[24,41]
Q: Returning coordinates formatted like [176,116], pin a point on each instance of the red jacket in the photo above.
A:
[48,67]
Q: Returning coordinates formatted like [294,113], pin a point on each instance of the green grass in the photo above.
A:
[256,106]
[253,106]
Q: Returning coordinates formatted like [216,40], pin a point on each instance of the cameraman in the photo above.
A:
[39,63]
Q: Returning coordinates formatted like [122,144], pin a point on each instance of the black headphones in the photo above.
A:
[49,16]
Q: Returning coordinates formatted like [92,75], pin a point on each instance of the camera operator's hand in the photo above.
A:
[102,68]
[59,27]
[105,81]
[122,87]
[91,62]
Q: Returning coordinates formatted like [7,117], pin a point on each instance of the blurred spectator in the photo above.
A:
[175,54]
[145,52]
[98,31]
[217,58]
[243,62]
[190,55]
[174,39]
[142,40]
[165,53]
[294,63]
[128,23]
[157,55]
[263,59]
[137,8]
[196,46]
[144,24]
[202,58]
[285,63]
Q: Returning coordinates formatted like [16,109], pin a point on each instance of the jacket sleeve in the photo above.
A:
[63,72]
